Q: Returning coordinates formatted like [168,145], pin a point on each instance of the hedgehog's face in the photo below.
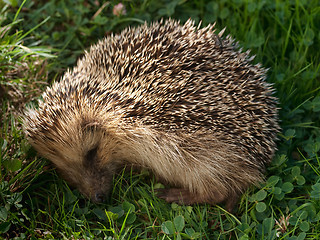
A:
[91,163]
[92,176]
[84,155]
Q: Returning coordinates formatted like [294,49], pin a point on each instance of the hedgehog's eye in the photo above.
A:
[91,155]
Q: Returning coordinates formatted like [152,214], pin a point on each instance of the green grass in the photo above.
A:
[39,41]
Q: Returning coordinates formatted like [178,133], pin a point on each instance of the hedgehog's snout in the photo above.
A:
[99,197]
[97,186]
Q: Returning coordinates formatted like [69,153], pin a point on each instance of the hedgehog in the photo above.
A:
[180,100]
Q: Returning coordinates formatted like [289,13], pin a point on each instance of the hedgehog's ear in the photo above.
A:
[89,125]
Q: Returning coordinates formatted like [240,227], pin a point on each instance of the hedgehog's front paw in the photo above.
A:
[177,195]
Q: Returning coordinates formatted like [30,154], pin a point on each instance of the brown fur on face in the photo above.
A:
[79,155]
[166,97]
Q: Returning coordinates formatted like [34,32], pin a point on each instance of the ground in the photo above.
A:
[39,41]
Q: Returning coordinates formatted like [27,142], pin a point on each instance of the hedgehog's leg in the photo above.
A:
[184,196]
[177,195]
[231,202]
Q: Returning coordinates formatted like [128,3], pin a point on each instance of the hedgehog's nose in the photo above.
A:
[99,197]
